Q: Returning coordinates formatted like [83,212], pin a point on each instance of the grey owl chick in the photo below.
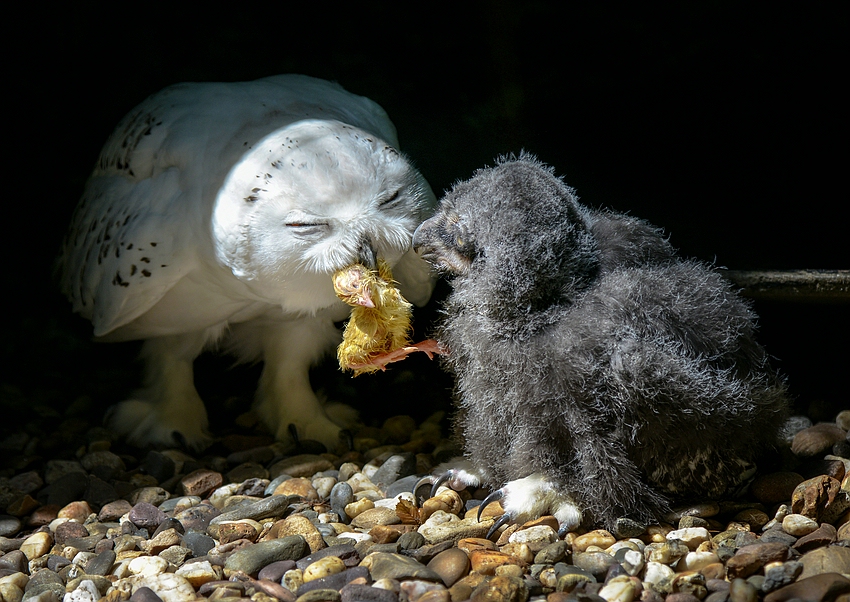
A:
[598,375]
[216,215]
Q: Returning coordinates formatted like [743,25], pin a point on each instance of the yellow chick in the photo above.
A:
[378,331]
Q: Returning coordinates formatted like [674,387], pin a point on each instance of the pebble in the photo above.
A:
[252,558]
[450,565]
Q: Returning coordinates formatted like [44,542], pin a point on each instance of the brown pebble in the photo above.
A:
[816,439]
[715,570]
[546,520]
[43,516]
[485,562]
[22,506]
[776,487]
[447,500]
[112,511]
[296,525]
[68,530]
[471,544]
[830,559]
[78,511]
[201,482]
[450,565]
[384,534]
[822,536]
[749,559]
[810,498]
[229,531]
[506,589]
[300,486]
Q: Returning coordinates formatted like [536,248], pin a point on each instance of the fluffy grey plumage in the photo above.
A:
[598,375]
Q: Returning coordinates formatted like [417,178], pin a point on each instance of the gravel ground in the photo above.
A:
[85,517]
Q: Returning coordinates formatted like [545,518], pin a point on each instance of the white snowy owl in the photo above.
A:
[217,214]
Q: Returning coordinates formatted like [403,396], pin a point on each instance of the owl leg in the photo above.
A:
[285,396]
[167,411]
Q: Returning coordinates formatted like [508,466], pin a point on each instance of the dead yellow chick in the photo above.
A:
[378,331]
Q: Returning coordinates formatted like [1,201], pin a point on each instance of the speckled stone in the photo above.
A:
[504,589]
[375,516]
[254,557]
[395,566]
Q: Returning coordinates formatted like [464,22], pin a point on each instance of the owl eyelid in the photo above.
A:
[393,197]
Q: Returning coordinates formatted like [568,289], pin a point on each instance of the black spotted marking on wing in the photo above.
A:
[133,130]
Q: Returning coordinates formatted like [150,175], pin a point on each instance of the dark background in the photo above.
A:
[723,122]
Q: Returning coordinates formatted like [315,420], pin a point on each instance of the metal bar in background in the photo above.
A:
[792,285]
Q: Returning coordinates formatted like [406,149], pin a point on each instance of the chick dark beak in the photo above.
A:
[366,254]
[420,239]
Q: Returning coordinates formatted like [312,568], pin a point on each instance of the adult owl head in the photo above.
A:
[308,200]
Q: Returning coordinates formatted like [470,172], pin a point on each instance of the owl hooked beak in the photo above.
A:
[366,254]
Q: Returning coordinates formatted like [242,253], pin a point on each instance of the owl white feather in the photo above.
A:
[217,214]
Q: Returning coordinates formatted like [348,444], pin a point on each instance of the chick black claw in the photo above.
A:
[439,481]
[504,519]
[493,497]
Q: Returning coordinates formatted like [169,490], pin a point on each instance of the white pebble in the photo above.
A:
[536,534]
[56,522]
[86,592]
[657,572]
[357,537]
[690,536]
[359,482]
[440,517]
[619,589]
[387,584]
[694,561]
[798,525]
[168,586]
[148,566]
[392,502]
[293,579]
[220,495]
[323,486]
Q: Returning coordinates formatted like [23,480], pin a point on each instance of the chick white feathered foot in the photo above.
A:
[530,498]
[523,499]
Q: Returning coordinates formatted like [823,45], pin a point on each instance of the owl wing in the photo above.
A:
[125,249]
[142,224]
